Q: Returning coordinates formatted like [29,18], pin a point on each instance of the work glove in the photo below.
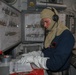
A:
[22,60]
[30,54]
[39,61]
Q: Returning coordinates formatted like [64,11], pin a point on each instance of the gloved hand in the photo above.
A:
[23,59]
[30,54]
[38,61]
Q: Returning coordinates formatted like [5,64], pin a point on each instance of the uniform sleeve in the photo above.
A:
[61,54]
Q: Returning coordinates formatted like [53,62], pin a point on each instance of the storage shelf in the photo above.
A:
[57,6]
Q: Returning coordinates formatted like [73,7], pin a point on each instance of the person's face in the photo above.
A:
[46,22]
